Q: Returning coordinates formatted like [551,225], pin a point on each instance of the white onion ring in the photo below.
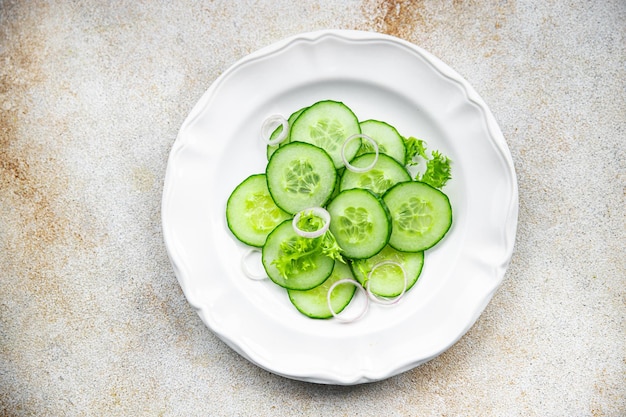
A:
[338,317]
[319,212]
[269,125]
[348,164]
[386,300]
[244,266]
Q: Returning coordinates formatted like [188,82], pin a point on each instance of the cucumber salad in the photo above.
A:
[343,206]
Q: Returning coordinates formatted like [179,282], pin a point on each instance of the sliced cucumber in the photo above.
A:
[389,141]
[251,213]
[378,220]
[421,215]
[314,303]
[327,124]
[306,269]
[272,148]
[299,176]
[388,280]
[383,175]
[360,223]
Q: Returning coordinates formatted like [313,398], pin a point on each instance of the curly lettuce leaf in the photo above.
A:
[298,254]
[438,170]
[414,148]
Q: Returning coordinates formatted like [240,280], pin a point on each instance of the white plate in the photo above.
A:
[379,77]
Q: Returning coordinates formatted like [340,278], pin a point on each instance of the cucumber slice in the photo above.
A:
[388,280]
[272,148]
[251,213]
[306,269]
[389,141]
[360,223]
[299,176]
[313,303]
[327,124]
[383,175]
[421,215]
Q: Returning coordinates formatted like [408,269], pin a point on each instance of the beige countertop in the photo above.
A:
[92,319]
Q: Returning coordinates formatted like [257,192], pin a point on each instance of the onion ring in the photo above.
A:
[337,316]
[348,164]
[244,266]
[269,126]
[386,300]
[319,212]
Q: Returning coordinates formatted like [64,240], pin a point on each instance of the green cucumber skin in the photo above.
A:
[444,221]
[235,220]
[306,121]
[313,303]
[303,281]
[383,133]
[349,179]
[360,250]
[275,170]
[413,264]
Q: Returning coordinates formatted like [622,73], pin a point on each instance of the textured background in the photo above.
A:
[92,320]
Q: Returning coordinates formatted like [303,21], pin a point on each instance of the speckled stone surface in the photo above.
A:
[92,319]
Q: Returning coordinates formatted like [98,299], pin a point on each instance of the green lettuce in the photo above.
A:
[438,170]
[438,166]
[298,254]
